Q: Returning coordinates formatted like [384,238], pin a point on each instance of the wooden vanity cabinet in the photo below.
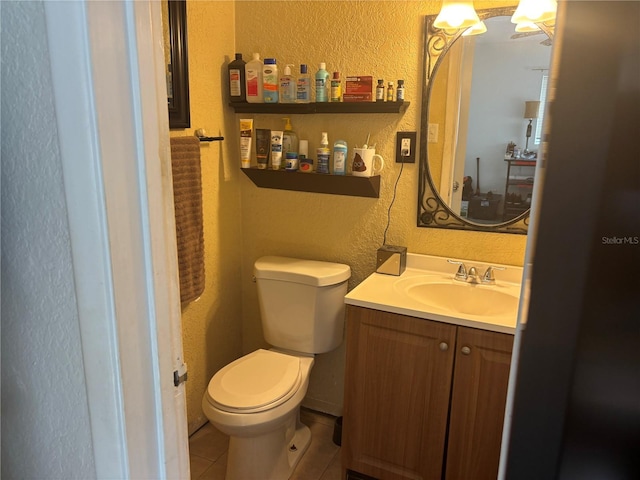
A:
[478,400]
[414,396]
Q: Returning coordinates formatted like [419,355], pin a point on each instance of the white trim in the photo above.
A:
[69,52]
[113,137]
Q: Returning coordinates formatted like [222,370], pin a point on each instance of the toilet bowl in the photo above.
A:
[256,399]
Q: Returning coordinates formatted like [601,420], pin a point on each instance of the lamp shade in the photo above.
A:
[455,15]
[536,11]
[526,27]
[531,109]
[476,29]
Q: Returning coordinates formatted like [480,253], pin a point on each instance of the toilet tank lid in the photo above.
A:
[308,272]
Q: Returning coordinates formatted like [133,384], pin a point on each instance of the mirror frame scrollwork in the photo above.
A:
[432,210]
[179,111]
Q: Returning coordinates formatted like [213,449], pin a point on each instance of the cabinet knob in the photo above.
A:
[465,350]
[444,346]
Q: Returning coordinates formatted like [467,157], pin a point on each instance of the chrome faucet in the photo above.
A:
[488,277]
[471,275]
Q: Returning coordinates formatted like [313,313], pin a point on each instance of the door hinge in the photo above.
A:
[180,375]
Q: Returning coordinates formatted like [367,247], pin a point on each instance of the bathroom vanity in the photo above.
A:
[425,385]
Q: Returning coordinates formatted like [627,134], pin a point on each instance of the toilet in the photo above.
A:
[256,399]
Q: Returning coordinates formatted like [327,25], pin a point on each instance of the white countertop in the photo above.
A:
[386,293]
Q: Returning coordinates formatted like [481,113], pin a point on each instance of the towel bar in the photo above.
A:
[211,139]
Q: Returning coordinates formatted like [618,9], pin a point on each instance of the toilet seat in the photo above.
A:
[256,382]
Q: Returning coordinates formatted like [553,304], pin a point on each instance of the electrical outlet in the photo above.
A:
[406,147]
[432,133]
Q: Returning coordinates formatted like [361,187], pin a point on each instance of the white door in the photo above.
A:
[111,107]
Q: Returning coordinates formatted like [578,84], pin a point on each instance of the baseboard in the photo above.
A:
[322,406]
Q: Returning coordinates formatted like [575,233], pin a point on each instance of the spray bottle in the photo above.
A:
[323,154]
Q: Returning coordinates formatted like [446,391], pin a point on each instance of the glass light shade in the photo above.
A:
[455,15]
[476,29]
[536,11]
[531,109]
[526,27]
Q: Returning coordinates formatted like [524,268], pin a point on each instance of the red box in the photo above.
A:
[359,85]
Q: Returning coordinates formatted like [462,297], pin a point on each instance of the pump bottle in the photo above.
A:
[287,86]
[289,138]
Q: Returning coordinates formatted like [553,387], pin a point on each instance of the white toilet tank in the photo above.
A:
[301,302]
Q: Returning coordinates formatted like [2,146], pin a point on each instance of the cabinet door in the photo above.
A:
[397,387]
[477,404]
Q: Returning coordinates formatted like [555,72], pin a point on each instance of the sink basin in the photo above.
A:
[427,289]
[458,297]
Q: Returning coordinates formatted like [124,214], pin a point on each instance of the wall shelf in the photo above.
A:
[328,107]
[315,182]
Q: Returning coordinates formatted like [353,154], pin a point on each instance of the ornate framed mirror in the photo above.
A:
[475,173]
[177,64]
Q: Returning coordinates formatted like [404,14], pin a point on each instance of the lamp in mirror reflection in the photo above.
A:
[476,29]
[536,11]
[456,14]
[527,27]
[530,112]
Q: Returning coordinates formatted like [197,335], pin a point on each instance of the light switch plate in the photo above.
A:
[406,147]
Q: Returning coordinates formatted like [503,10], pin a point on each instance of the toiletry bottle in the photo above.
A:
[253,78]
[336,87]
[400,91]
[380,91]
[323,154]
[289,138]
[322,79]
[340,157]
[305,164]
[390,92]
[270,81]
[237,85]
[303,85]
[287,86]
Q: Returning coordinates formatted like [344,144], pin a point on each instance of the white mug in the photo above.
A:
[364,162]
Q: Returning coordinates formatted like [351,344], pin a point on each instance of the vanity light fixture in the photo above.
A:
[476,29]
[536,11]
[455,15]
[530,112]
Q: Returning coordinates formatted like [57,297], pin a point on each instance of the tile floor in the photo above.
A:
[208,451]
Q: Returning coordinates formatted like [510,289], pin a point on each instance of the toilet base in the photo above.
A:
[271,456]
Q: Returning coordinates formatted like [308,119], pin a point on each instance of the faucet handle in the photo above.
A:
[461,274]
[488,274]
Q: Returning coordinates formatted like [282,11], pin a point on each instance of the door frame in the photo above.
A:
[110,97]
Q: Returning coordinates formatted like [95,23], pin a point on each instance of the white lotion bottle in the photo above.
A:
[253,79]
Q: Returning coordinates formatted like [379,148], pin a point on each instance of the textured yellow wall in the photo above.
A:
[383,39]
[242,222]
[211,326]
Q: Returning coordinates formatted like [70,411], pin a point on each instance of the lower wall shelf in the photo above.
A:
[315,182]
